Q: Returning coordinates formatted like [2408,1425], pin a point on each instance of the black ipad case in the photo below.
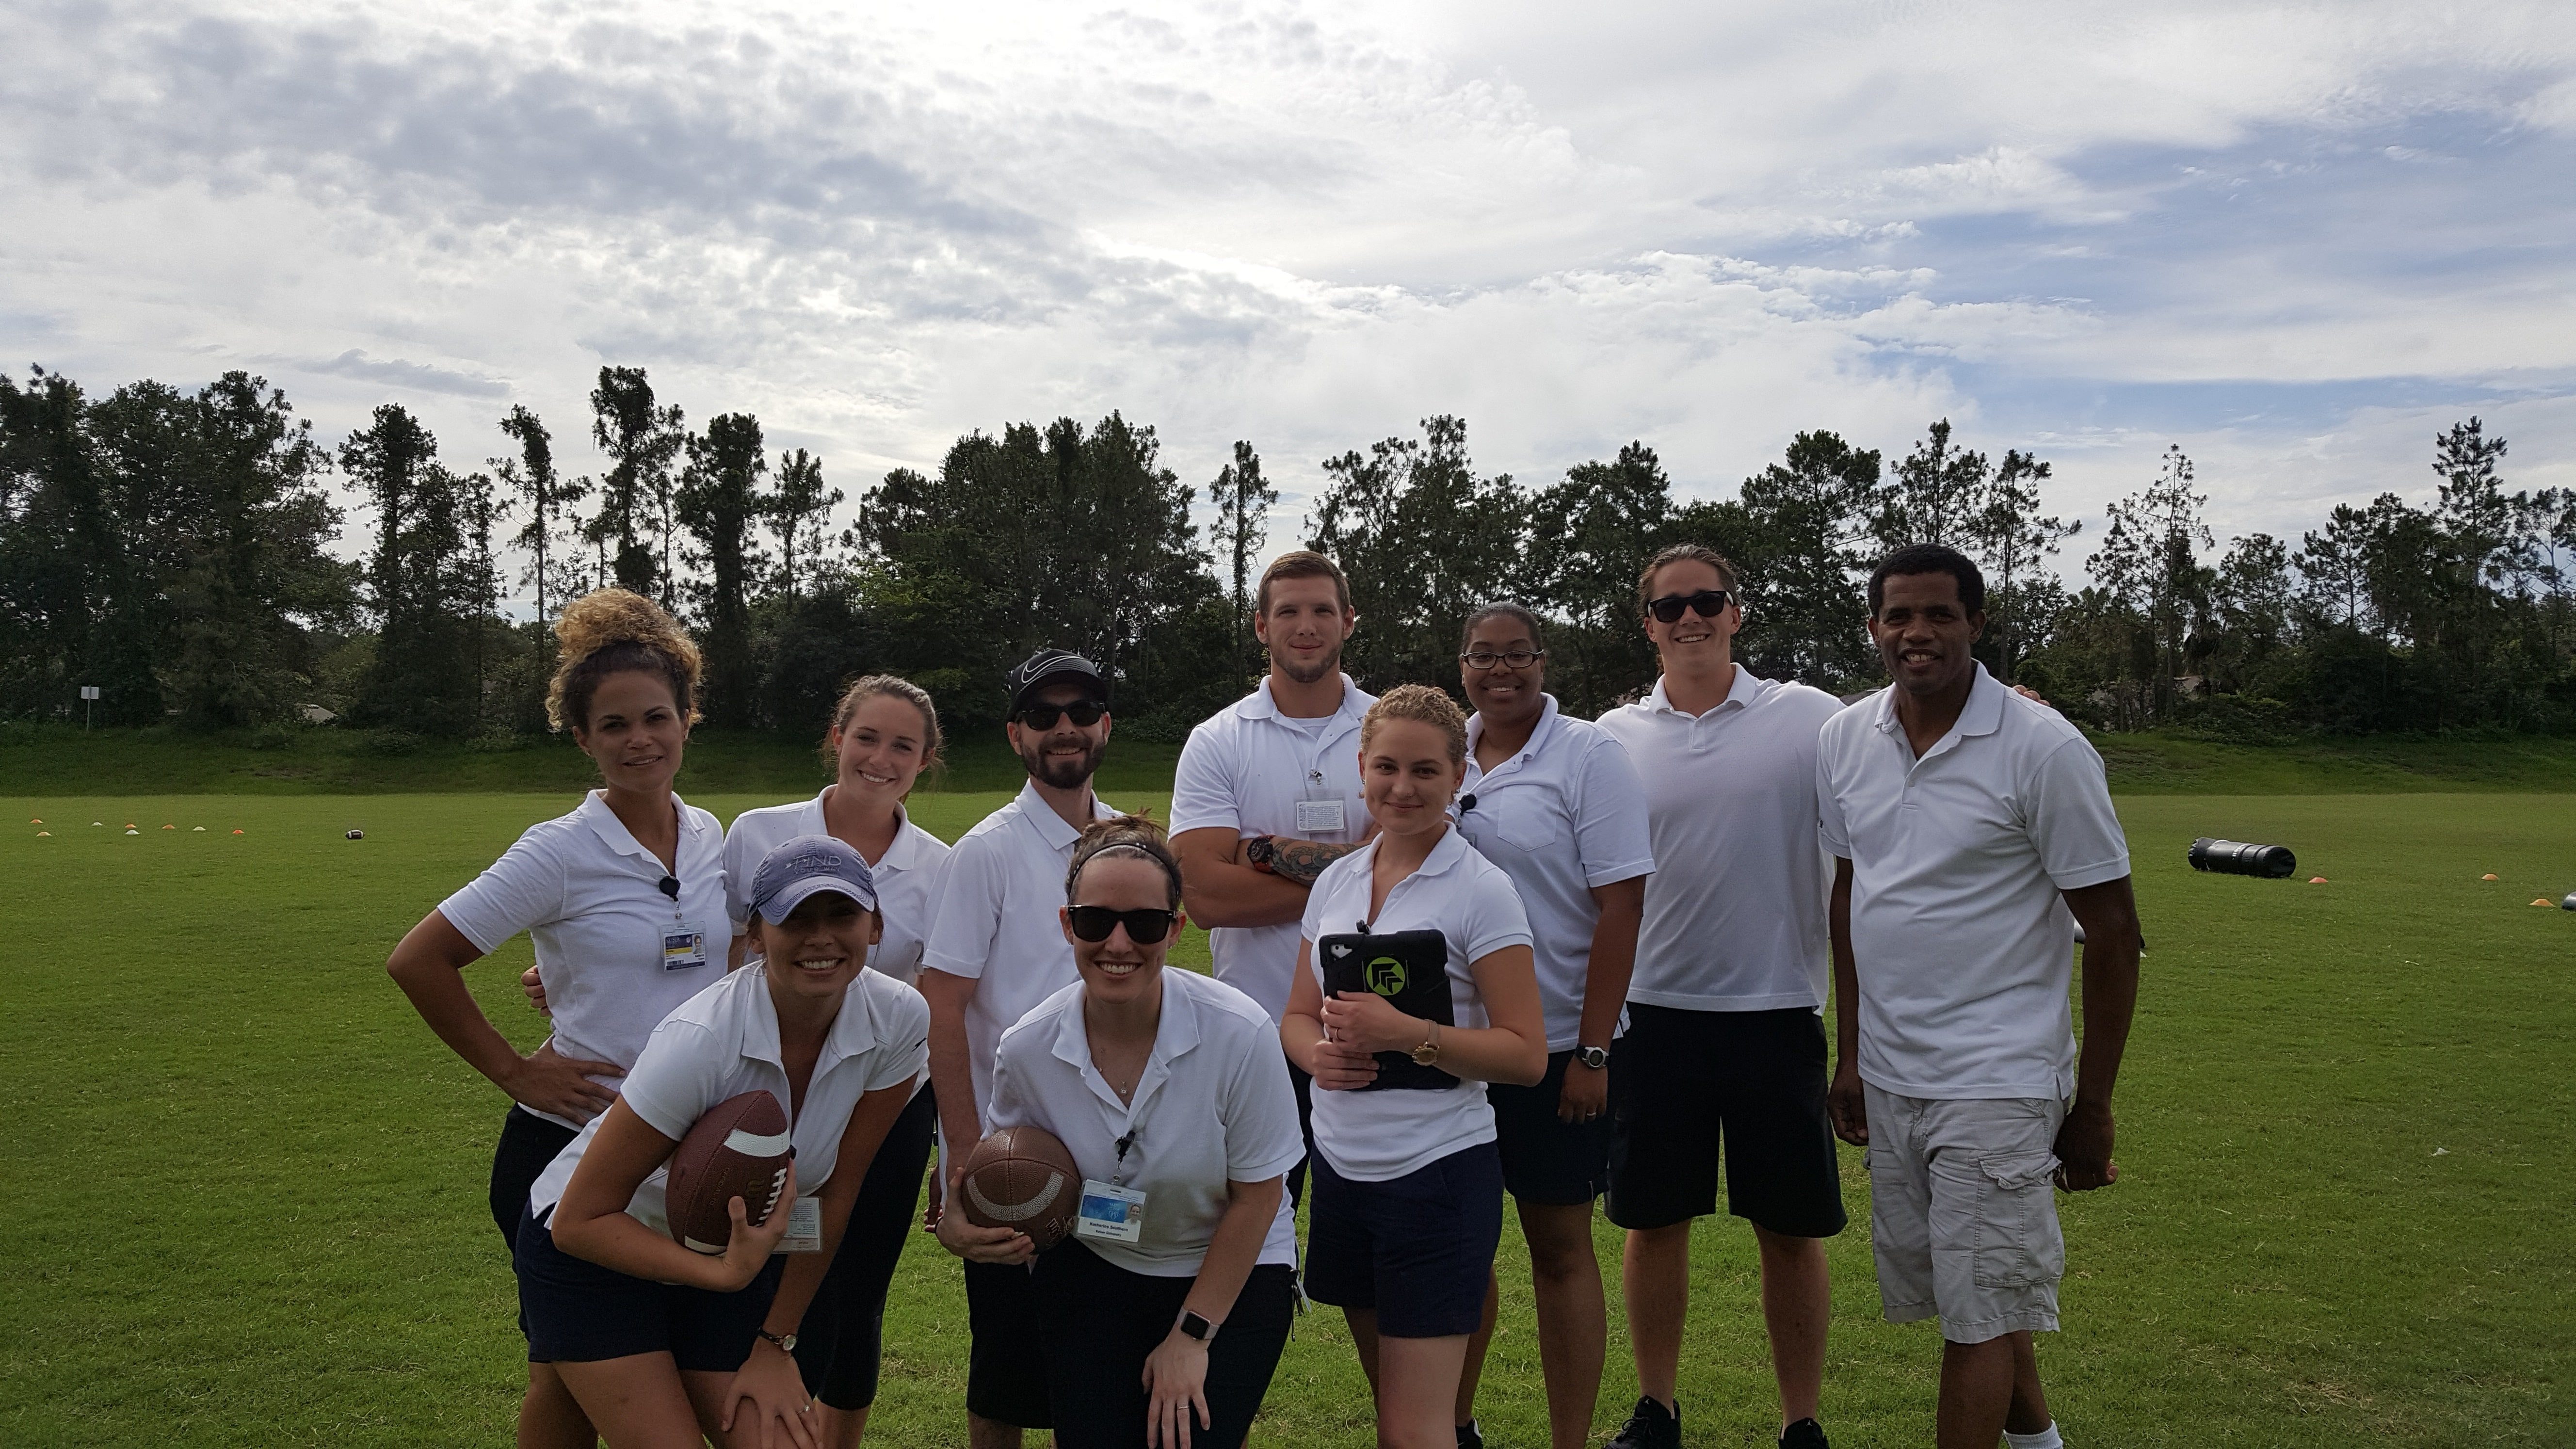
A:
[1411,970]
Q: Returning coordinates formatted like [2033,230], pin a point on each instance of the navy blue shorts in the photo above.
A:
[1547,1159]
[576,1311]
[1419,1248]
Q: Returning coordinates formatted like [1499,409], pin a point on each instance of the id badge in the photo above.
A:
[1319,817]
[804,1227]
[1110,1213]
[683,948]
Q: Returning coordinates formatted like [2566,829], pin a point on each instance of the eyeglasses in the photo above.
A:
[1094,923]
[1043,716]
[1487,658]
[1707,603]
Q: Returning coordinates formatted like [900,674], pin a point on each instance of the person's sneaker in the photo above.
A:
[1804,1434]
[1651,1426]
[1470,1437]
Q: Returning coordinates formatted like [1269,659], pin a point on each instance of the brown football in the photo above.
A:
[739,1149]
[1022,1177]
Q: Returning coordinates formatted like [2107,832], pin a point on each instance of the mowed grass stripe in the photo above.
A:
[251,1184]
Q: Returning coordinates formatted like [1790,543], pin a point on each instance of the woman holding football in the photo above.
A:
[659,1340]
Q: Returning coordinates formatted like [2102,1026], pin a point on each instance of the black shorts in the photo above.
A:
[1101,1321]
[529,1143]
[1545,1159]
[839,1344]
[1303,1084]
[1006,1374]
[1419,1248]
[1680,1081]
[576,1311]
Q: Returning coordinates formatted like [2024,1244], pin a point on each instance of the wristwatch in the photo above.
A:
[1192,1325]
[1597,1058]
[1429,1052]
[786,1341]
[1257,853]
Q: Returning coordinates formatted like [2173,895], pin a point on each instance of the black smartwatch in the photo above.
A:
[1597,1058]
[1192,1325]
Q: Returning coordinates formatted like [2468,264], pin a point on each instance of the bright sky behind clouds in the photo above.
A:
[2296,239]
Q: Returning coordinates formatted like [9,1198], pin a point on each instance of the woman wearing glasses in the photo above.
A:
[1555,803]
[1165,1312]
[1413,990]
[624,898]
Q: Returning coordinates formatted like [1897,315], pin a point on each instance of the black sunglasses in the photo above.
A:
[1094,923]
[1707,603]
[1043,716]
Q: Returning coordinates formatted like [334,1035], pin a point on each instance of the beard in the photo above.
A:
[1321,669]
[1062,772]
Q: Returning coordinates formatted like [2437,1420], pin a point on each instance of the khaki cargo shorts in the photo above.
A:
[1962,1220]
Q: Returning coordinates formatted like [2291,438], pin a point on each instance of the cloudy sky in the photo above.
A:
[2296,239]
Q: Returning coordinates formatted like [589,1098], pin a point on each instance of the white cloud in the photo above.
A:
[1706,227]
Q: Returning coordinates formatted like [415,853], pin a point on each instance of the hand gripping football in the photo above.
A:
[739,1149]
[1022,1178]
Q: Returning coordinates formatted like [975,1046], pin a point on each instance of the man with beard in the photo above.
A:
[994,950]
[1268,790]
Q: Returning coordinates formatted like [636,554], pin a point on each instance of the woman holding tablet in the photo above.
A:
[1408,1186]
[662,1344]
[884,733]
[1555,803]
[624,898]
[1165,1312]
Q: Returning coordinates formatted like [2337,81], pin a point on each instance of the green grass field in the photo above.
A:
[249,1183]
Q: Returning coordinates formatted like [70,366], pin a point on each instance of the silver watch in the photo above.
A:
[1597,1058]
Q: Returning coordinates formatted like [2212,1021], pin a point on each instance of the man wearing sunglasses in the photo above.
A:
[1725,1041]
[995,949]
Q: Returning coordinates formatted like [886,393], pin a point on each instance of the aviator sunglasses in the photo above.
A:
[1707,603]
[1144,927]
[1043,716]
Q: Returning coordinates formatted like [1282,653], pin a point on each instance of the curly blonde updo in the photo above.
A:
[1133,834]
[1425,705]
[611,631]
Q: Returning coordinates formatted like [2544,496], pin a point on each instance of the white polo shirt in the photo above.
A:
[1212,1107]
[1376,1136]
[1962,944]
[1735,914]
[723,1042]
[589,897]
[995,923]
[906,875]
[1560,817]
[1247,768]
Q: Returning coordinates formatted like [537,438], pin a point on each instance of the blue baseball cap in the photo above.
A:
[807,864]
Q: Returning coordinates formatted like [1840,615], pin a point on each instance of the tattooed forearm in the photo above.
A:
[1303,860]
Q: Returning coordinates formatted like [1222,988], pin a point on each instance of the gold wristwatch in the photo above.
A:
[1429,1052]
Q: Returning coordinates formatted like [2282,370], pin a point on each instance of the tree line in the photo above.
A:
[174,549]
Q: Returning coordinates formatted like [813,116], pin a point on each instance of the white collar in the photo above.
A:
[1983,714]
[904,852]
[1740,694]
[612,832]
[1050,826]
[1176,1033]
[1260,705]
[853,1031]
[1540,734]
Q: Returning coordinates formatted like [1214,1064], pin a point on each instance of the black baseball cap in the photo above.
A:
[1053,666]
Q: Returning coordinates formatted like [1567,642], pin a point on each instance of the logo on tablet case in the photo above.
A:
[1386,976]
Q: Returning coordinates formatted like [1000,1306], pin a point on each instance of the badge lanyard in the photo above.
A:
[1112,1211]
[683,946]
[1321,809]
